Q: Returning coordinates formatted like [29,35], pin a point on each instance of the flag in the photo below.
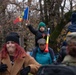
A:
[23,16]
[17,20]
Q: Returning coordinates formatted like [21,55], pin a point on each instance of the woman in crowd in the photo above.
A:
[14,60]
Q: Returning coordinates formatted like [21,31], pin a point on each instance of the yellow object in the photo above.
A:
[47,41]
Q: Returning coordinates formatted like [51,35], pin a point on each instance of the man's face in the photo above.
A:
[72,49]
[42,46]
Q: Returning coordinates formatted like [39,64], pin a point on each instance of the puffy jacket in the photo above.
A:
[50,55]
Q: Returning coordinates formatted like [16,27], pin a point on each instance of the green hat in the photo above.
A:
[42,24]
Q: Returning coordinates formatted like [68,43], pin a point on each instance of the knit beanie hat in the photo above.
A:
[13,37]
[41,41]
[41,24]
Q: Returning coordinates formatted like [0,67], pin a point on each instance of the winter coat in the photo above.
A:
[43,57]
[38,34]
[18,65]
[62,54]
[69,60]
[72,27]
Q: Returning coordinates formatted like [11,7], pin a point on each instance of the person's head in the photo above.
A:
[42,26]
[71,44]
[42,43]
[73,17]
[11,40]
[12,47]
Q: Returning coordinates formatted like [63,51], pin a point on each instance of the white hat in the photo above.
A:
[71,37]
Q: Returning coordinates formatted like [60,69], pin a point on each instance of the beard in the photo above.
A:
[72,51]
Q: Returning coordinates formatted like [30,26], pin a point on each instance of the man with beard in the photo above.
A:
[70,58]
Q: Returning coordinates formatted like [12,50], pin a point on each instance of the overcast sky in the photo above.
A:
[66,7]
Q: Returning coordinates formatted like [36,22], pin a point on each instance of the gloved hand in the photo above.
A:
[3,67]
[25,70]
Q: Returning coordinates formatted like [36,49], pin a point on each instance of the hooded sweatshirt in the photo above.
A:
[72,27]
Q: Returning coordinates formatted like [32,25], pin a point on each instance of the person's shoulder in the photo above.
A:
[27,56]
[50,48]
[34,50]
[68,58]
[63,48]
[51,51]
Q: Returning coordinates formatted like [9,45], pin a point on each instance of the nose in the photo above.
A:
[10,44]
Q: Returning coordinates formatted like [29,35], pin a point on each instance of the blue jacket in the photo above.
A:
[43,57]
[72,27]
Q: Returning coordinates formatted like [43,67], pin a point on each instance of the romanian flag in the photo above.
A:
[24,16]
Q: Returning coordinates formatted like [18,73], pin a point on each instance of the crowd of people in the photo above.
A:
[15,61]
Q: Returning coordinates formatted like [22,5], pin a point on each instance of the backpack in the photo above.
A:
[50,51]
[56,70]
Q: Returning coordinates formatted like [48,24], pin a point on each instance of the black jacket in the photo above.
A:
[38,34]
[62,54]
